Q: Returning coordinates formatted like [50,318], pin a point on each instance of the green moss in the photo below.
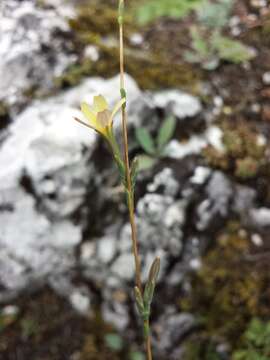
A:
[97,25]
[149,72]
[246,168]
[244,155]
[4,115]
[202,349]
[229,289]
[94,346]
[4,111]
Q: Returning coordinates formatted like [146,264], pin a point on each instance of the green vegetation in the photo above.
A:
[154,148]
[95,25]
[116,343]
[209,45]
[154,9]
[208,50]
[256,342]
[227,293]
[202,350]
[244,154]
[6,319]
[29,327]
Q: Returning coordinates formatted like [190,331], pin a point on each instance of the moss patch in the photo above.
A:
[244,155]
[229,290]
[97,25]
[47,328]
[4,115]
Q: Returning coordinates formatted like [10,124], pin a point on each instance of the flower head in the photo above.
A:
[99,117]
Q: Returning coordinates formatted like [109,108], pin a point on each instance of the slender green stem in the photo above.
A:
[126,156]
[130,194]
[148,341]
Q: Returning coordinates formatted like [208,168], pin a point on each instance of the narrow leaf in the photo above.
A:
[148,295]
[139,300]
[145,140]
[121,169]
[134,171]
[166,132]
[114,342]
[146,162]
[154,270]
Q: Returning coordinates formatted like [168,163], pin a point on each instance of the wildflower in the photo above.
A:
[99,117]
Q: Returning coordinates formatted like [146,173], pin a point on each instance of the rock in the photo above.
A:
[164,182]
[91,52]
[80,301]
[44,179]
[87,252]
[216,204]
[266,78]
[33,48]
[201,174]
[160,220]
[178,103]
[243,199]
[123,266]
[171,328]
[32,247]
[124,243]
[106,249]
[260,217]
[10,310]
[115,312]
[196,143]
[257,240]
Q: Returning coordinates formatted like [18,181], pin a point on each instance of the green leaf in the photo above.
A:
[146,162]
[199,44]
[154,9]
[231,50]
[154,270]
[114,342]
[121,168]
[134,171]
[148,296]
[166,132]
[136,355]
[215,15]
[139,300]
[151,284]
[145,140]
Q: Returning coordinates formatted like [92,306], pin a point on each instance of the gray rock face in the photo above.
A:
[31,52]
[260,217]
[32,246]
[178,103]
[219,192]
[159,222]
[172,328]
[44,179]
[196,143]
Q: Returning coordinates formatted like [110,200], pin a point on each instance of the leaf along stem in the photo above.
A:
[128,177]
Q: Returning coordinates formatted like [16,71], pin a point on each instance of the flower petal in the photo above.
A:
[117,108]
[89,114]
[100,104]
[103,118]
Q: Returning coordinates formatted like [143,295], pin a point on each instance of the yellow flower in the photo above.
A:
[99,117]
